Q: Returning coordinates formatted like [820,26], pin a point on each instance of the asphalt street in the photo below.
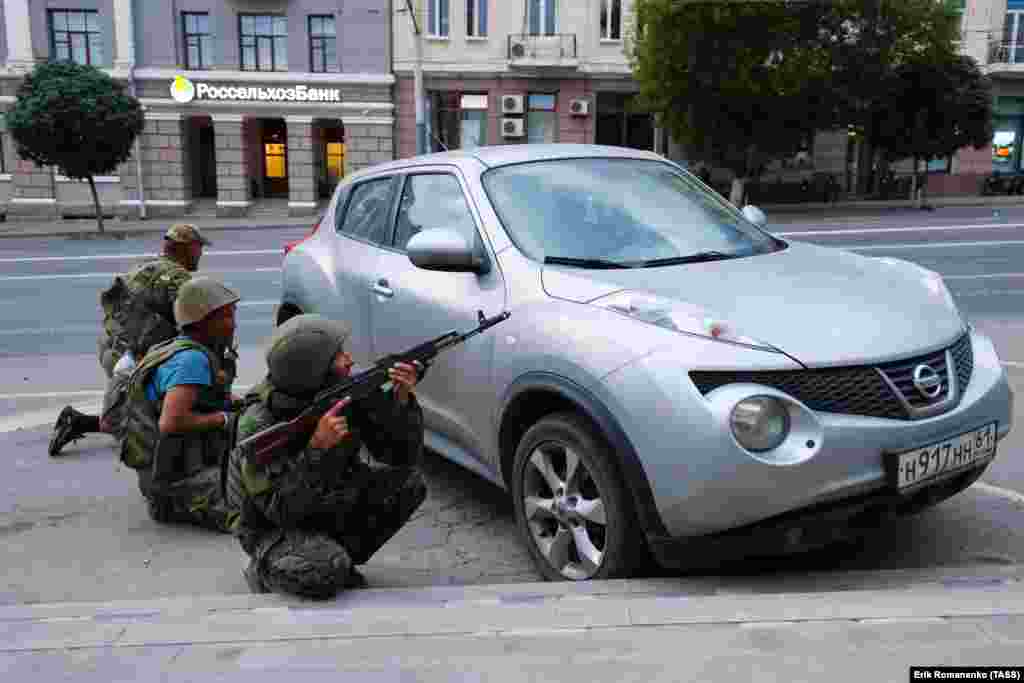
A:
[73,528]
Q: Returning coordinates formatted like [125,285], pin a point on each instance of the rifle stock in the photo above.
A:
[267,444]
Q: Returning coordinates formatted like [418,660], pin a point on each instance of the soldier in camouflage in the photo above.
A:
[318,510]
[178,422]
[138,312]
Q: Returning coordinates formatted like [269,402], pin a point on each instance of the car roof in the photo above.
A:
[502,155]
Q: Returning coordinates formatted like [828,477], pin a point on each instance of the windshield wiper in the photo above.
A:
[595,263]
[698,257]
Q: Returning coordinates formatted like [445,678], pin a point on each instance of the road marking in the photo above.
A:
[871,231]
[1009,494]
[121,257]
[80,276]
[927,245]
[984,276]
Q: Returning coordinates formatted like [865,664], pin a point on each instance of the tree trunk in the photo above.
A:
[915,191]
[738,190]
[96,203]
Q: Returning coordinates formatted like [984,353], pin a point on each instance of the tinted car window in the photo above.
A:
[622,210]
[433,200]
[367,212]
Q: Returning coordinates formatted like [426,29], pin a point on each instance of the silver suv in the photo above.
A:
[673,379]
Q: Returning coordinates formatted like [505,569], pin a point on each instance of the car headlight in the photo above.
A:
[760,423]
[678,317]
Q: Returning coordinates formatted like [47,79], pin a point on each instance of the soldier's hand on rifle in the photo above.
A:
[405,377]
[332,428]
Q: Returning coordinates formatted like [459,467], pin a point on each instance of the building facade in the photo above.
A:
[246,101]
[510,72]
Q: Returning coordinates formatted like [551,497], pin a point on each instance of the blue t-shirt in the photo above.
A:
[184,367]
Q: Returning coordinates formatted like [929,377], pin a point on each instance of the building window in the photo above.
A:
[264,42]
[457,120]
[437,18]
[335,160]
[541,118]
[476,18]
[275,160]
[611,19]
[323,50]
[1013,37]
[543,17]
[198,41]
[75,36]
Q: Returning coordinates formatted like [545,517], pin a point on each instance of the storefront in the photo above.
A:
[229,143]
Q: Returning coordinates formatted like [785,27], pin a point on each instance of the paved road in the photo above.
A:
[74,527]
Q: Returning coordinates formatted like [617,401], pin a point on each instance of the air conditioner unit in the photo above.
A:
[512,104]
[579,107]
[517,50]
[512,128]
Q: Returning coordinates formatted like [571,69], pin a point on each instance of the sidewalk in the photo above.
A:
[875,206]
[835,627]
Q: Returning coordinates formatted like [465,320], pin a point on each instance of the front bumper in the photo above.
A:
[704,484]
[812,528]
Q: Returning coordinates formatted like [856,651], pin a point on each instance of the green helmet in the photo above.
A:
[199,297]
[302,352]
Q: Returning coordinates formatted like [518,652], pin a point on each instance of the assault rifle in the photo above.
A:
[266,444]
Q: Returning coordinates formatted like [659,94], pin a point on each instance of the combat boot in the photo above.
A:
[68,428]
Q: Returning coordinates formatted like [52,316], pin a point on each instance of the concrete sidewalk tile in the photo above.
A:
[17,636]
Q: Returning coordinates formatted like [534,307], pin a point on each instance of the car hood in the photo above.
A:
[822,306]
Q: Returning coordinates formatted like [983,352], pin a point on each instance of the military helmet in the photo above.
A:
[199,297]
[302,351]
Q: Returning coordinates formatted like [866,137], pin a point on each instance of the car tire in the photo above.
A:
[562,530]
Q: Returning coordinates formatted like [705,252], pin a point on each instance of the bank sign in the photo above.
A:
[184,91]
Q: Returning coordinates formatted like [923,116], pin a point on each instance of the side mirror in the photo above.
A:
[445,250]
[755,215]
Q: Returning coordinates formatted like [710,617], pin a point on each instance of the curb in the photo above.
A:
[859,207]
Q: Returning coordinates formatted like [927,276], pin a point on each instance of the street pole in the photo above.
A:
[421,124]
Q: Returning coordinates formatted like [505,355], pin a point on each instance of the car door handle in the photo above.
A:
[382,288]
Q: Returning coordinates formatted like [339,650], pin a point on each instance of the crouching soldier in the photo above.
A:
[315,510]
[178,424]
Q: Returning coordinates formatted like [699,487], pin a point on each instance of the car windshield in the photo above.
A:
[608,212]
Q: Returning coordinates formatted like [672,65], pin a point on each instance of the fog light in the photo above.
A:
[760,423]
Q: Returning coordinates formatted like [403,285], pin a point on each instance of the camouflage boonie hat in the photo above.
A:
[185,233]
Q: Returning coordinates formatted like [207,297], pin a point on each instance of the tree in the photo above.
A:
[76,118]
[739,83]
[865,41]
[934,108]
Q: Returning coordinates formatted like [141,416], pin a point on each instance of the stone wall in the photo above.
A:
[165,177]
[301,171]
[366,145]
[234,193]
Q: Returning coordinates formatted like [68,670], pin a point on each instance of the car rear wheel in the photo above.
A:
[572,508]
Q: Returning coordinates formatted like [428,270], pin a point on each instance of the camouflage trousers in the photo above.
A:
[316,563]
[196,500]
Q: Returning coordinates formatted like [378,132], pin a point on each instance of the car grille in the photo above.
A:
[854,390]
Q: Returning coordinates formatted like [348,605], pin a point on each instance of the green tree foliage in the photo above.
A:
[77,119]
[933,108]
[738,83]
[865,41]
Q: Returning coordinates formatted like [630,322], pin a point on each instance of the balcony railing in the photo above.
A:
[551,49]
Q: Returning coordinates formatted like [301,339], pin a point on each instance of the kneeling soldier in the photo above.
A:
[179,427]
[317,509]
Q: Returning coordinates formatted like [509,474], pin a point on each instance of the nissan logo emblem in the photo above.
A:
[927,381]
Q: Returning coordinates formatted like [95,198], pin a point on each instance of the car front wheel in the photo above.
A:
[571,506]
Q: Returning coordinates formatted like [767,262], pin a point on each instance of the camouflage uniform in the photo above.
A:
[310,515]
[180,474]
[183,484]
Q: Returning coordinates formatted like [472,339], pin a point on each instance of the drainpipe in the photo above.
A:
[131,89]
[421,124]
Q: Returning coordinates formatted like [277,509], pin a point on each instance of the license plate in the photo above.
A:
[926,463]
